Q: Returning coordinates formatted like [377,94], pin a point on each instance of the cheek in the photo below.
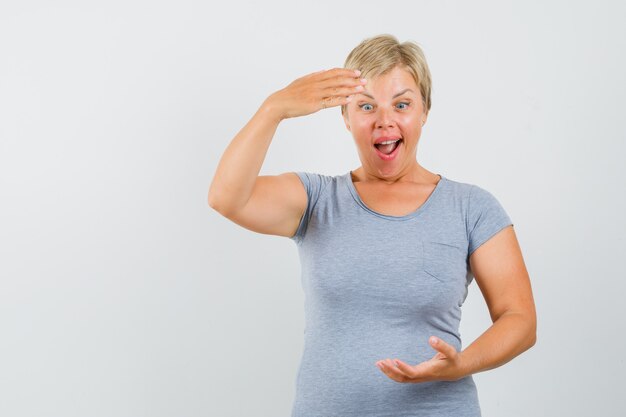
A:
[362,125]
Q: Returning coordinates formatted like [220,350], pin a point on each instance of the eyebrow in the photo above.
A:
[396,95]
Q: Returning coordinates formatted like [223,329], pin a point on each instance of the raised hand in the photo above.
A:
[446,365]
[316,91]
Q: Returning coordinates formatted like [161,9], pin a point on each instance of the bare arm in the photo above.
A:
[241,162]
[501,275]
[273,204]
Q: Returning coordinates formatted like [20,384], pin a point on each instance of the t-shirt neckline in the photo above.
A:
[419,210]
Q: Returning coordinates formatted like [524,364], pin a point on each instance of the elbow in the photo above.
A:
[220,206]
[532,333]
[213,203]
[216,205]
[527,325]
[529,320]
[215,197]
[534,326]
[220,200]
[216,200]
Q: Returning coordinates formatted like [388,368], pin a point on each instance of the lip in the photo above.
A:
[392,155]
[386,138]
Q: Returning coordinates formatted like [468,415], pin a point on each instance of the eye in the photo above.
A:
[401,108]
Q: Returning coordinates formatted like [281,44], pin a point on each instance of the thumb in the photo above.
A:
[442,347]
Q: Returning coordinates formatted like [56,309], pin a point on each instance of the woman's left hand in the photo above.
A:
[444,366]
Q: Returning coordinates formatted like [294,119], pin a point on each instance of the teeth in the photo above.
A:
[388,142]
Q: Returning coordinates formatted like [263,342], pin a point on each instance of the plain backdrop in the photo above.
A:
[122,293]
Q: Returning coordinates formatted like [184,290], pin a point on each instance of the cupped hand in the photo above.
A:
[316,91]
[446,365]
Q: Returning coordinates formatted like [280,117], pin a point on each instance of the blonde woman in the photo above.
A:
[387,250]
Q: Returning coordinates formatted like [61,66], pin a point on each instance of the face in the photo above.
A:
[390,106]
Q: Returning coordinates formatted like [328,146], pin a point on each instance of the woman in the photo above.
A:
[387,250]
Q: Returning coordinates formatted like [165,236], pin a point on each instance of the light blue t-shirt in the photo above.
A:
[378,286]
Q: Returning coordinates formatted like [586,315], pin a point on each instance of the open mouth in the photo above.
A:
[388,148]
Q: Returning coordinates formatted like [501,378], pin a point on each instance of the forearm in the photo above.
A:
[241,162]
[506,338]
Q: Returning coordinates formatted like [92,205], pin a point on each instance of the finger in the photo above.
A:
[343,91]
[405,368]
[342,81]
[340,72]
[340,95]
[392,372]
[327,102]
[315,74]
[339,80]
[319,74]
[443,347]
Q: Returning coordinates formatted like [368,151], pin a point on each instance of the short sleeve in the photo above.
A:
[485,217]
[314,185]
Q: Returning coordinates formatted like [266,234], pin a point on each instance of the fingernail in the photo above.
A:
[357,72]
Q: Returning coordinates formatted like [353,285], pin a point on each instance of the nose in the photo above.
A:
[385,118]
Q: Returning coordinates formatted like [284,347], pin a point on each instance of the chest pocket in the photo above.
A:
[444,261]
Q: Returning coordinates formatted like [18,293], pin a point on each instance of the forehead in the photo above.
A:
[396,75]
[391,83]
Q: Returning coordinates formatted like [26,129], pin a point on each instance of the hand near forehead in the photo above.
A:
[444,366]
[316,91]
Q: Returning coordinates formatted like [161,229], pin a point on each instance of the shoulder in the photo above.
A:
[316,184]
[469,191]
[315,179]
[459,188]
[317,175]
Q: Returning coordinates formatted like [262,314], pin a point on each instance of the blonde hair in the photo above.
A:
[380,54]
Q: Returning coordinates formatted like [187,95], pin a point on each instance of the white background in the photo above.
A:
[122,293]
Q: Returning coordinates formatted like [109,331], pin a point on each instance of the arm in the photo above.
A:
[269,204]
[501,275]
[241,162]
[273,204]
